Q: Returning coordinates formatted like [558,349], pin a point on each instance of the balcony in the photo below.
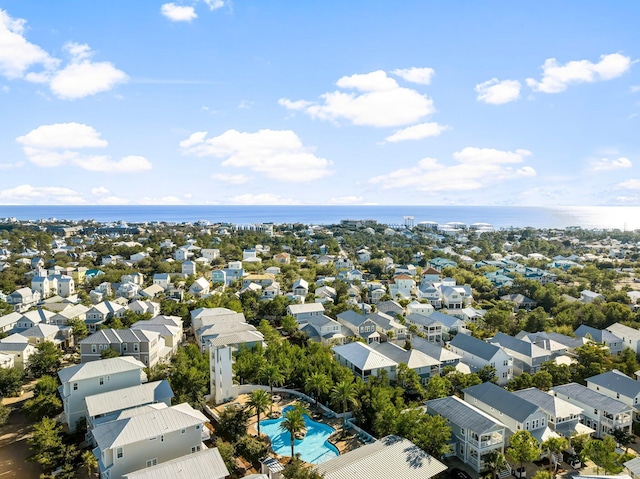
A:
[487,441]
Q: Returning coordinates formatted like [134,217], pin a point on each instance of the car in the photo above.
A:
[456,473]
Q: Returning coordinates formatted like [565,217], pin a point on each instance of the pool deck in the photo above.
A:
[345,441]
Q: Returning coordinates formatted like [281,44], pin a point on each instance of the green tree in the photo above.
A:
[10,381]
[5,411]
[344,393]
[228,453]
[41,406]
[523,447]
[259,401]
[438,387]
[297,469]
[294,423]
[272,375]
[603,454]
[47,360]
[623,437]
[252,448]
[289,324]
[109,353]
[317,384]
[90,462]
[78,328]
[189,376]
[542,380]
[487,374]
[46,444]
[232,422]
[495,462]
[543,475]
[554,447]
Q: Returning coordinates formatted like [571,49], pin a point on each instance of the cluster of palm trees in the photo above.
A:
[260,401]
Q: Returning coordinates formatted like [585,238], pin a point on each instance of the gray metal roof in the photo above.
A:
[463,414]
[617,382]
[598,335]
[363,356]
[475,346]
[388,457]
[207,464]
[128,397]
[501,400]
[594,399]
[413,358]
[519,346]
[553,406]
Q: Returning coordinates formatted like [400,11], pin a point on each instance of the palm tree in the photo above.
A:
[554,445]
[89,461]
[317,383]
[272,375]
[293,422]
[344,393]
[259,402]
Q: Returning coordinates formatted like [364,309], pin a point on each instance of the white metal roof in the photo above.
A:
[128,397]
[363,356]
[207,464]
[103,367]
[389,457]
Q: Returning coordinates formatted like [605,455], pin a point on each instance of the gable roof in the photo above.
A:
[598,335]
[463,414]
[501,400]
[617,382]
[143,426]
[95,369]
[206,464]
[126,398]
[363,356]
[591,398]
[525,348]
[554,406]
[390,456]
[475,346]
[413,358]
[624,332]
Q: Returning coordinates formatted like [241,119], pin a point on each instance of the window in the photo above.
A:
[195,449]
[94,349]
[124,347]
[101,381]
[152,462]
[183,431]
[161,438]
[119,453]
[75,386]
[153,438]
[197,427]
[136,347]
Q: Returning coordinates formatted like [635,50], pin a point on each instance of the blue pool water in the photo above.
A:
[314,448]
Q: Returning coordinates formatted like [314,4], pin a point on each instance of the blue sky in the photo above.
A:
[359,102]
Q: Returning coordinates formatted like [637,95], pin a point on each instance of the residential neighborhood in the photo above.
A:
[153,348]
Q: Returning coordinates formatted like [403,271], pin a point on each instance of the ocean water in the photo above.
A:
[588,217]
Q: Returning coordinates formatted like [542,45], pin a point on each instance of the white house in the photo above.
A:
[19,347]
[617,385]
[363,360]
[206,464]
[189,268]
[630,336]
[477,354]
[303,312]
[95,377]
[147,439]
[600,412]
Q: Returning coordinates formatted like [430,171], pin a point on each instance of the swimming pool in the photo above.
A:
[314,448]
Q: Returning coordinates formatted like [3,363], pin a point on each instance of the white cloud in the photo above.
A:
[99,191]
[164,200]
[417,132]
[556,77]
[245,104]
[476,168]
[82,77]
[421,76]
[262,199]
[63,135]
[40,195]
[278,154]
[635,88]
[345,200]
[9,166]
[379,102]
[79,78]
[178,13]
[605,164]
[58,144]
[496,92]
[214,4]
[231,179]
[17,54]
[374,81]
[632,184]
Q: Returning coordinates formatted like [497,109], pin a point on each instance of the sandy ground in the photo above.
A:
[14,449]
